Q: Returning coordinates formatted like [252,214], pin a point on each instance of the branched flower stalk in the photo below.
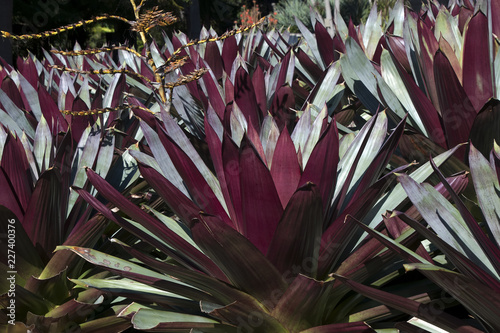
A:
[143,24]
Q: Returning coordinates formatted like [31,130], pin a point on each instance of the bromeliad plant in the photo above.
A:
[263,155]
[258,230]
[471,273]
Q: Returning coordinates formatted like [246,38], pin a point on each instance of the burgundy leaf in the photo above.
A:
[229,52]
[428,48]
[397,48]
[28,69]
[214,95]
[8,198]
[9,87]
[323,167]
[181,205]
[51,112]
[187,254]
[284,69]
[214,59]
[477,78]
[463,264]
[200,191]
[43,220]
[259,85]
[338,233]
[356,327]
[285,168]
[457,111]
[16,168]
[303,303]
[215,147]
[232,170]
[463,16]
[410,307]
[309,66]
[229,91]
[380,161]
[261,205]
[325,44]
[227,247]
[489,248]
[395,227]
[479,299]
[80,123]
[283,101]
[244,96]
[296,241]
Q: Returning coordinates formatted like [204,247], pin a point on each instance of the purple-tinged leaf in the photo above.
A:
[229,52]
[161,156]
[325,44]
[285,168]
[477,78]
[479,299]
[186,253]
[426,110]
[303,303]
[215,147]
[312,69]
[87,232]
[8,198]
[445,220]
[353,33]
[229,92]
[15,165]
[397,48]
[486,244]
[238,315]
[411,307]
[312,44]
[448,51]
[456,109]
[296,241]
[179,137]
[357,327]
[133,271]
[324,173]
[226,247]
[338,233]
[428,48]
[10,88]
[28,69]
[77,310]
[214,59]
[465,13]
[463,264]
[486,127]
[269,136]
[232,170]
[244,96]
[283,102]
[380,161]
[396,227]
[487,189]
[28,262]
[260,203]
[181,205]
[259,85]
[214,94]
[223,292]
[51,112]
[43,220]
[200,190]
